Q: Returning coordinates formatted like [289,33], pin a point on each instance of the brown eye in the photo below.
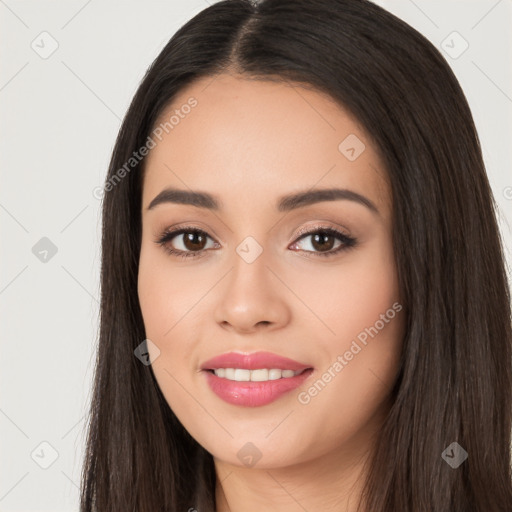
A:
[185,242]
[324,242]
[194,241]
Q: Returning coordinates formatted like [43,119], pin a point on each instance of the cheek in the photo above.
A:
[154,298]
[166,300]
[170,302]
[166,294]
[351,296]
[354,385]
[360,351]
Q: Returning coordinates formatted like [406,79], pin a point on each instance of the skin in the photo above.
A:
[249,142]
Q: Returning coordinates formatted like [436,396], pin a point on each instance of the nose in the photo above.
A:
[252,298]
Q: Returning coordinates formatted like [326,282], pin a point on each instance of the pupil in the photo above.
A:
[321,241]
[194,240]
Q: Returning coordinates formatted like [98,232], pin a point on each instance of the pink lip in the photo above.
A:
[253,361]
[253,394]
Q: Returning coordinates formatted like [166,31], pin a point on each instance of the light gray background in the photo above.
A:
[59,119]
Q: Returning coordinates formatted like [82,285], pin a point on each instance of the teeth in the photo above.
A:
[274,374]
[260,375]
[242,375]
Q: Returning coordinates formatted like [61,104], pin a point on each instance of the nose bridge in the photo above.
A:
[251,294]
[251,250]
[250,273]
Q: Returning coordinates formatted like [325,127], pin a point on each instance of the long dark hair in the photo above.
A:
[454,382]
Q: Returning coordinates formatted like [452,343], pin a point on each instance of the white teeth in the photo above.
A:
[274,374]
[242,375]
[260,375]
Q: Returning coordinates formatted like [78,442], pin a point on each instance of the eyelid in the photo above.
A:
[190,226]
[310,228]
[319,226]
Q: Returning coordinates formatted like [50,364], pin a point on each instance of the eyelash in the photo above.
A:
[163,240]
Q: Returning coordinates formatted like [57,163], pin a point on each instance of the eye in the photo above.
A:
[190,242]
[323,241]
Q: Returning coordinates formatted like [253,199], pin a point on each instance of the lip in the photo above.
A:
[253,394]
[253,361]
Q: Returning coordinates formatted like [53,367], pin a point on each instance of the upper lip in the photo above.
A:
[253,361]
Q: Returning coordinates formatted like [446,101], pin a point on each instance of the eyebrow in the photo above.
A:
[285,203]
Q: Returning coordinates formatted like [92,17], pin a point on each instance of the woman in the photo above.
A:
[304,299]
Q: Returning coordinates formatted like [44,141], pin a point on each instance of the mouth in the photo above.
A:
[253,380]
[258,375]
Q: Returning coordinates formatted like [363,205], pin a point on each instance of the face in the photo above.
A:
[275,322]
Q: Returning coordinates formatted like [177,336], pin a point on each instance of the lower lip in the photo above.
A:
[254,394]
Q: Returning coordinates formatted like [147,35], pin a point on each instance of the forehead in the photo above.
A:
[246,139]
